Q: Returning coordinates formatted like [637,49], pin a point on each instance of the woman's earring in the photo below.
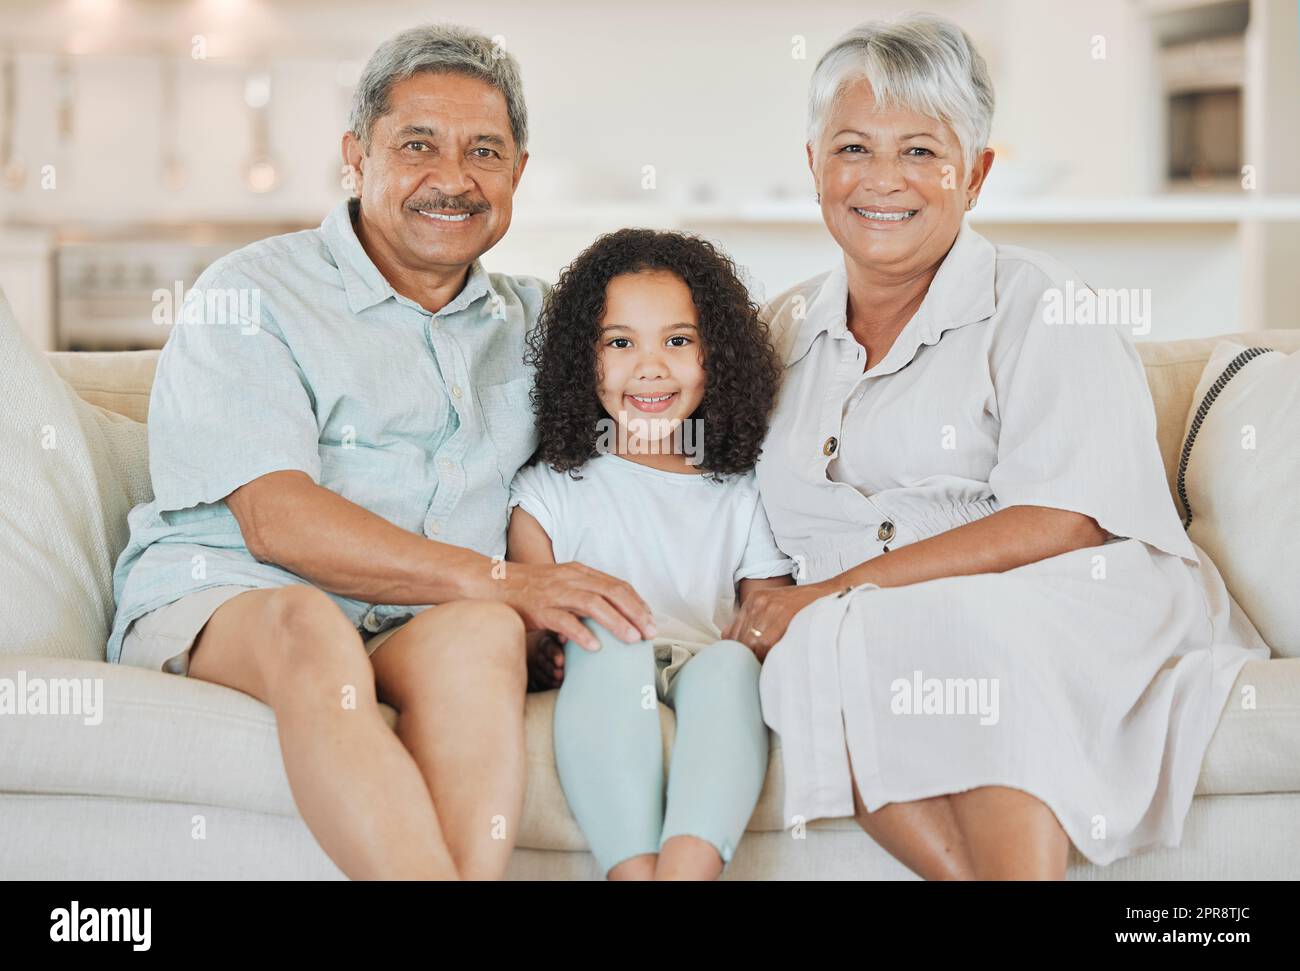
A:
[970,204]
[819,198]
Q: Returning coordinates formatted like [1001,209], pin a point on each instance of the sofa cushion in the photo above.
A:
[72,473]
[164,738]
[121,380]
[118,381]
[156,737]
[1256,746]
[1239,467]
[1173,369]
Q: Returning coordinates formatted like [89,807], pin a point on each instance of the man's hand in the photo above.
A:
[555,597]
[769,611]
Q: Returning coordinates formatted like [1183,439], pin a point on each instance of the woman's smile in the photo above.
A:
[884,217]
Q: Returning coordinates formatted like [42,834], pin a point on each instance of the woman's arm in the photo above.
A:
[999,542]
[1011,537]
[748,587]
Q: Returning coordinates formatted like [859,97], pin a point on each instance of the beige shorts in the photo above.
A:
[161,639]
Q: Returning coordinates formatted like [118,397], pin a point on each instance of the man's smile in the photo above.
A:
[445,217]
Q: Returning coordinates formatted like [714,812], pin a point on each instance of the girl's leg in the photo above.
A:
[609,751]
[719,761]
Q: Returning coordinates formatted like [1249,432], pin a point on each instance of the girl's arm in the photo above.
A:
[527,542]
[567,591]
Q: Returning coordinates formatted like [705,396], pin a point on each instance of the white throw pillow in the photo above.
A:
[1239,483]
[70,472]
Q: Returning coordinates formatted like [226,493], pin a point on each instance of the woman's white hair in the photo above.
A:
[918,62]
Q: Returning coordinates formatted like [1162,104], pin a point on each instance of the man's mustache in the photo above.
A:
[449,203]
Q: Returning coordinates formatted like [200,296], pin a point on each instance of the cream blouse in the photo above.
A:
[980,404]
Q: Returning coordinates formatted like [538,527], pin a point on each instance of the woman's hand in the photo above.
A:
[545,661]
[764,616]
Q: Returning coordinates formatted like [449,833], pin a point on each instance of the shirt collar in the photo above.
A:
[962,292]
[365,286]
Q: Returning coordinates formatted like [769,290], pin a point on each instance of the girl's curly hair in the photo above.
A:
[742,371]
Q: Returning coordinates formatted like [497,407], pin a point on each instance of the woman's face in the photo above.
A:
[650,360]
[893,183]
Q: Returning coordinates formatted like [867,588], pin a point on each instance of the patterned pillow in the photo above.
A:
[1237,483]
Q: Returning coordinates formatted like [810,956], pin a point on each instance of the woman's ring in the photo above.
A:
[756,632]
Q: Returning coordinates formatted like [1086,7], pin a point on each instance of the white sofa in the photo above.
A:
[176,759]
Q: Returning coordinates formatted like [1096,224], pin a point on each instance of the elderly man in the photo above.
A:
[331,482]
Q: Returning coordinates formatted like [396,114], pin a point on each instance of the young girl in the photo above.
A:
[654,384]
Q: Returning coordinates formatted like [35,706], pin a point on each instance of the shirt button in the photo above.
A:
[448,465]
[829,446]
[371,622]
[886,532]
[455,390]
[434,526]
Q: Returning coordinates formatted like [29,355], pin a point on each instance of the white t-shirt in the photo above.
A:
[682,541]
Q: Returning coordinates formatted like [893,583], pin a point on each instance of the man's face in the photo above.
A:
[441,172]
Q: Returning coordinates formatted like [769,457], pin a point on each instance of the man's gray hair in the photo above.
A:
[918,62]
[438,49]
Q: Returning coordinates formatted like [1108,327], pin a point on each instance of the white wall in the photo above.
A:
[707,93]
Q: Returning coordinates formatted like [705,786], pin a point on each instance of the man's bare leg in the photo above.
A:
[358,789]
[923,835]
[1011,835]
[457,675]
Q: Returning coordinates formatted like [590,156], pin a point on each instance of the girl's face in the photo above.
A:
[650,361]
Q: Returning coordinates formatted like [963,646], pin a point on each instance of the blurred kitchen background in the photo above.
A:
[1152,144]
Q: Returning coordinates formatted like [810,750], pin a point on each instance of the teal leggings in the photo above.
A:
[609,748]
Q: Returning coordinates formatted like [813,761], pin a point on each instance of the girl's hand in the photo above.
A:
[545,661]
[769,612]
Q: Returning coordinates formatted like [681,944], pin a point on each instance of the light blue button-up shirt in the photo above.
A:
[295,353]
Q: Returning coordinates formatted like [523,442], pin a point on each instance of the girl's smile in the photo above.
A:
[651,403]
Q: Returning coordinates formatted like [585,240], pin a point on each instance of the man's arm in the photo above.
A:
[288,520]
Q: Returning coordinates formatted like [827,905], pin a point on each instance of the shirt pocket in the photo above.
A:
[508,415]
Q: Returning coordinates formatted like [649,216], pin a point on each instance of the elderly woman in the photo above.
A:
[1001,641]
